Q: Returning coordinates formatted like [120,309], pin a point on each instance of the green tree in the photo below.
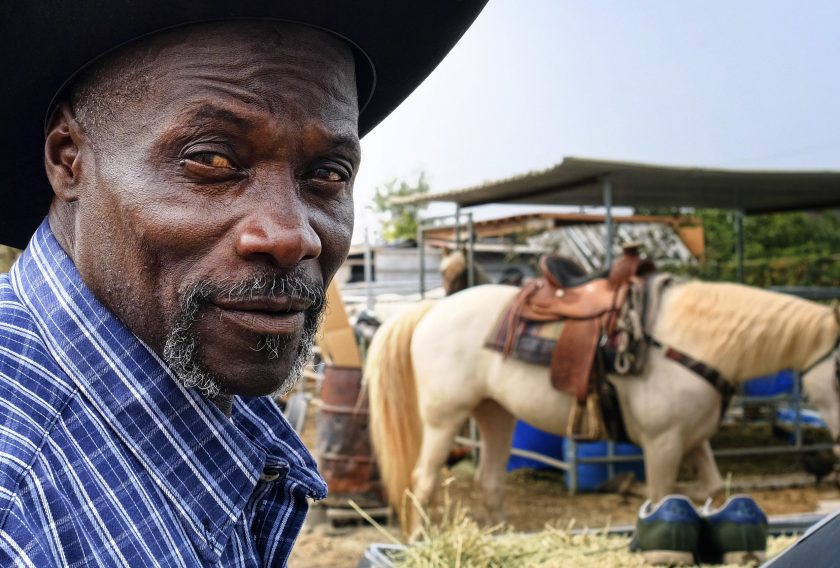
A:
[780,249]
[399,221]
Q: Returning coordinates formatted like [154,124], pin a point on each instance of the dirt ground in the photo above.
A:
[532,500]
[536,498]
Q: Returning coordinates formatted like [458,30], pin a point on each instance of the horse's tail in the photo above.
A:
[395,427]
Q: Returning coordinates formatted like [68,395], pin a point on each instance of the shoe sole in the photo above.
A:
[669,557]
[754,557]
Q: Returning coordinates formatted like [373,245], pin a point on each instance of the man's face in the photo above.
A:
[214,211]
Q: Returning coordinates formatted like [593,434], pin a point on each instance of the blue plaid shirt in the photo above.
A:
[105,460]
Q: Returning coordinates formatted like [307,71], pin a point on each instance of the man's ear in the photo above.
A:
[62,153]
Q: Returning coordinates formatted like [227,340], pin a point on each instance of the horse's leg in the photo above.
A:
[663,455]
[496,426]
[668,410]
[437,442]
[702,460]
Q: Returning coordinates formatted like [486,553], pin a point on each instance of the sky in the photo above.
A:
[735,83]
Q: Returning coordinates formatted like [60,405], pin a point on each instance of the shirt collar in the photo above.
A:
[206,464]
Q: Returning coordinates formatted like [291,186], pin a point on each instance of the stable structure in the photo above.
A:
[589,182]
[582,181]
[519,240]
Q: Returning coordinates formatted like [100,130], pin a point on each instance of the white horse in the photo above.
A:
[428,370]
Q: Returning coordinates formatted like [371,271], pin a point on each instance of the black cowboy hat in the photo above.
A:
[45,43]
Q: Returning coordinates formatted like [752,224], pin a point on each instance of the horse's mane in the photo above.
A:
[744,332]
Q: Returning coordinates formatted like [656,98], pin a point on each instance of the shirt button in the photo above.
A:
[273,473]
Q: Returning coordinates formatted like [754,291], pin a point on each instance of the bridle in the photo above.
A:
[836,309]
[835,352]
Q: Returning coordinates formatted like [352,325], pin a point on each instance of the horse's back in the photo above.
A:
[458,325]
[472,309]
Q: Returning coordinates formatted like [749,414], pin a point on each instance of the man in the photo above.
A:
[200,159]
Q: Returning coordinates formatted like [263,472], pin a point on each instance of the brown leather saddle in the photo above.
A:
[589,304]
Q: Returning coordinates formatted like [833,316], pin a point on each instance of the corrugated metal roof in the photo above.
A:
[578,181]
[586,243]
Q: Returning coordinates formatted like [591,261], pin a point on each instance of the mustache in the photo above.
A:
[182,348]
[267,284]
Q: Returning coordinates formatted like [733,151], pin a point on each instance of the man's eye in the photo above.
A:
[326,174]
[211,159]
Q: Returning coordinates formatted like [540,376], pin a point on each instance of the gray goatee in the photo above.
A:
[182,350]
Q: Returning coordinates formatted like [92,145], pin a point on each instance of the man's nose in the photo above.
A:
[280,232]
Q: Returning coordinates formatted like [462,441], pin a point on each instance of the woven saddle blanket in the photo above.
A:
[535,343]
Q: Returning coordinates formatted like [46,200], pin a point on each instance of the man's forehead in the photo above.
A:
[249,71]
[249,56]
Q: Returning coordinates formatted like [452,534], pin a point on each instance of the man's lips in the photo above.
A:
[280,315]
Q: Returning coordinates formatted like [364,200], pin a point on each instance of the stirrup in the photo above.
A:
[585,420]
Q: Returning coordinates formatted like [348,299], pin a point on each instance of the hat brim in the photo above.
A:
[397,44]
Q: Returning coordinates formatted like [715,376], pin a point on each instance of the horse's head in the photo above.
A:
[822,385]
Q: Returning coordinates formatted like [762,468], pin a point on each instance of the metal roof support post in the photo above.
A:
[470,251]
[607,190]
[421,251]
[457,226]
[739,244]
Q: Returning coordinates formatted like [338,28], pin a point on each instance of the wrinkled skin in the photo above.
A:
[240,160]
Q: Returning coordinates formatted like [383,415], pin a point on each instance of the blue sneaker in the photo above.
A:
[735,533]
[668,532]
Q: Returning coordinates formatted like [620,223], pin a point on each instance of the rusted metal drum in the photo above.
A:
[343,445]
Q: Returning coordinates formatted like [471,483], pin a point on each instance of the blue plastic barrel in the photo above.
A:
[527,437]
[591,475]
[770,385]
